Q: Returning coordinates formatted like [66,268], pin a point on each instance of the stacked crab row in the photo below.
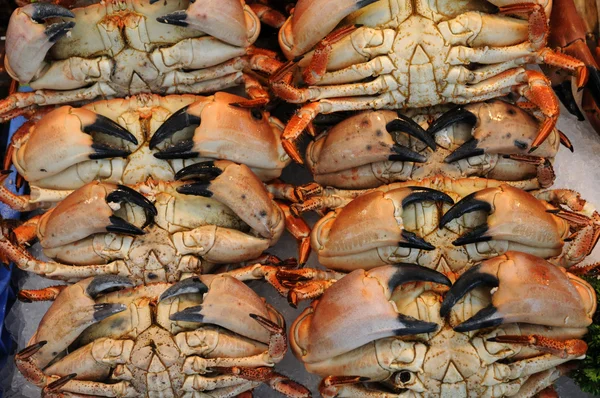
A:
[173,200]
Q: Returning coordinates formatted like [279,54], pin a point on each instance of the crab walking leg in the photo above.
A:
[202,383]
[65,388]
[259,272]
[49,293]
[219,245]
[224,392]
[54,270]
[51,97]
[267,357]
[299,230]
[208,86]
[276,381]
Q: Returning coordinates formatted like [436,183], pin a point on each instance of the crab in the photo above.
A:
[208,336]
[170,231]
[413,222]
[123,47]
[397,331]
[575,33]
[127,141]
[487,139]
[396,54]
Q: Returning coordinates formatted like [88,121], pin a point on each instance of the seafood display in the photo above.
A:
[400,54]
[488,139]
[187,227]
[127,141]
[118,48]
[164,339]
[153,165]
[419,340]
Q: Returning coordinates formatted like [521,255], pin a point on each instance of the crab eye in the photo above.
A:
[256,114]
[403,377]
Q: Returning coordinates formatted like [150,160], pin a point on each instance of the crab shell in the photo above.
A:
[346,332]
[132,334]
[56,152]
[359,151]
[366,232]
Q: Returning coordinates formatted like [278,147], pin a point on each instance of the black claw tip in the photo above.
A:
[464,151]
[198,189]
[414,326]
[190,314]
[593,83]
[455,115]
[176,18]
[404,154]
[485,318]
[104,310]
[43,11]
[107,283]
[467,282]
[565,94]
[407,125]
[124,194]
[181,150]
[426,194]
[102,151]
[186,286]
[176,122]
[415,242]
[407,272]
[465,205]
[476,235]
[30,350]
[121,226]
[58,384]
[57,30]
[204,171]
[105,125]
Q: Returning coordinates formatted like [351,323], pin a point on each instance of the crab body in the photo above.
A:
[160,339]
[127,141]
[408,222]
[167,231]
[413,53]
[489,139]
[420,340]
[126,47]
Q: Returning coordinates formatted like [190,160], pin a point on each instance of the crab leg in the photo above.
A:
[65,387]
[225,392]
[276,381]
[49,97]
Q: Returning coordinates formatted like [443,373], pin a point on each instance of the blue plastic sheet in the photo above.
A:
[7,295]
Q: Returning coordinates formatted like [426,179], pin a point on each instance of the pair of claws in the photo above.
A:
[201,175]
[104,284]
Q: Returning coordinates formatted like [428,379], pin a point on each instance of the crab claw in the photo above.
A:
[357,310]
[362,140]
[498,128]
[186,286]
[28,39]
[345,234]
[409,126]
[514,216]
[237,187]
[73,311]
[230,20]
[227,302]
[311,21]
[95,208]
[77,135]
[529,290]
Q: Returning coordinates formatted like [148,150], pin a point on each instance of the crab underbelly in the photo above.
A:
[418,54]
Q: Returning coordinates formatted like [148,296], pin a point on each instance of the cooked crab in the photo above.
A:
[487,139]
[208,336]
[172,230]
[127,141]
[387,333]
[413,53]
[411,222]
[125,47]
